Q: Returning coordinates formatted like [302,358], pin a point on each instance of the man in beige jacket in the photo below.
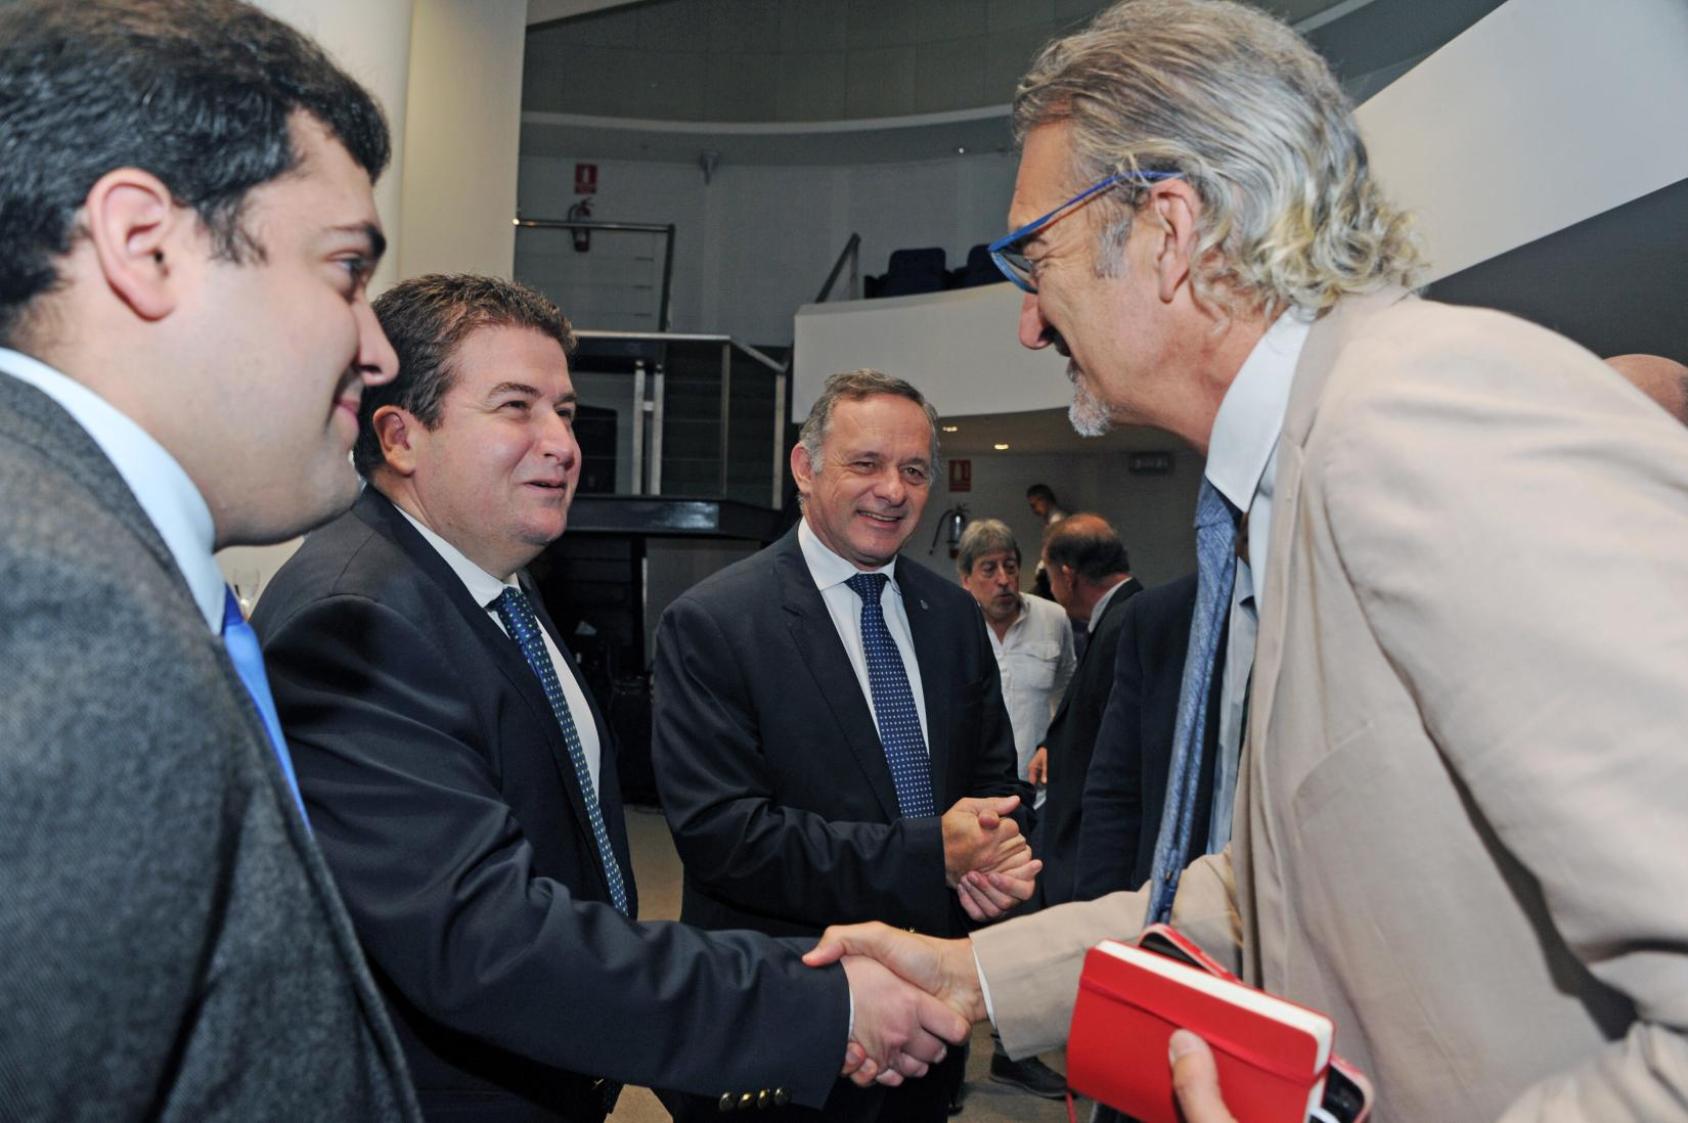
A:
[1458,822]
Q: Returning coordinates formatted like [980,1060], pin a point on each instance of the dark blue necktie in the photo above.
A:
[1216,573]
[893,704]
[241,643]
[523,626]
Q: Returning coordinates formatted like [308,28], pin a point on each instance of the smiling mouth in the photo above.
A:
[880,518]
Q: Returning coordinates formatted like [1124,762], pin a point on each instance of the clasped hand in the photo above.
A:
[987,861]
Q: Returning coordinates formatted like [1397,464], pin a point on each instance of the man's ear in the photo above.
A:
[1173,208]
[802,469]
[138,232]
[395,428]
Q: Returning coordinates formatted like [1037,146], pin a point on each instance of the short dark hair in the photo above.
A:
[201,93]
[425,319]
[856,386]
[1088,544]
[1041,491]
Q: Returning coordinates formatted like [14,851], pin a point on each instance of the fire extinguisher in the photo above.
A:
[950,524]
[581,212]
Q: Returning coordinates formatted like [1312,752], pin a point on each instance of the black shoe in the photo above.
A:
[1030,1074]
[957,1099]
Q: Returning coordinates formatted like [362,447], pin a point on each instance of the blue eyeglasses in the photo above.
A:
[1007,251]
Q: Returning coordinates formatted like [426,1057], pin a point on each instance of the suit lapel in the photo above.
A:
[33,418]
[822,654]
[609,791]
[377,510]
[934,648]
[1128,589]
[1312,373]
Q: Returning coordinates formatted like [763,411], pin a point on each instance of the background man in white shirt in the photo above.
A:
[1032,637]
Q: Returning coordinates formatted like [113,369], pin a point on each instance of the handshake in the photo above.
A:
[915,995]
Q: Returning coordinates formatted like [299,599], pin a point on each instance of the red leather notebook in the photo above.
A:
[1272,1055]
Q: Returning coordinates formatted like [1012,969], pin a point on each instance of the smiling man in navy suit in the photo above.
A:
[819,703]
[462,782]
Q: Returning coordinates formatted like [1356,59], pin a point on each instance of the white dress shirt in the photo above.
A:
[161,486]
[829,572]
[486,589]
[1242,465]
[1035,661]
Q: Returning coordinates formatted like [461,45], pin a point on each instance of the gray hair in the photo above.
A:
[853,386]
[1235,103]
[986,536]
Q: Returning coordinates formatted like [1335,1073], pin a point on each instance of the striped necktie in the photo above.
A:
[523,626]
[1216,572]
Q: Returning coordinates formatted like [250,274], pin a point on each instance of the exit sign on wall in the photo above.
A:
[1150,463]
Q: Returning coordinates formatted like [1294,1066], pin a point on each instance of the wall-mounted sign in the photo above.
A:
[961,475]
[585,179]
[1150,463]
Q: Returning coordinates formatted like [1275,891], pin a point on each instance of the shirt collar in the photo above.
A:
[1251,416]
[1101,604]
[483,586]
[826,567]
[161,486]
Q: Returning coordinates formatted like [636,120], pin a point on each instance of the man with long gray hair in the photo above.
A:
[1457,819]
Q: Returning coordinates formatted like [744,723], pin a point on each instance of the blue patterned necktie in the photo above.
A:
[1216,572]
[241,642]
[523,626]
[893,704]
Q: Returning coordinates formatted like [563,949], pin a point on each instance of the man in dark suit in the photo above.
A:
[818,703]
[1090,575]
[1125,789]
[461,780]
[186,222]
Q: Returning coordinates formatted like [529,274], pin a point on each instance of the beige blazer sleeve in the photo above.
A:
[1526,574]
[1030,965]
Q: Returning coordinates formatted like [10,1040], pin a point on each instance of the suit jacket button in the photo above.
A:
[764,1098]
[726,1102]
[781,1097]
[747,1101]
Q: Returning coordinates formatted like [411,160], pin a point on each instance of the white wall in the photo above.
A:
[757,241]
[448,74]
[1544,113]
[462,137]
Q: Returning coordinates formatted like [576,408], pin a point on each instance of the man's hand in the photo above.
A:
[989,895]
[1037,769]
[979,836]
[899,1029]
[941,968]
[1196,1080]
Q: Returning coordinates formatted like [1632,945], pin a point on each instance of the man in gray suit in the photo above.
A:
[1458,822]
[186,227]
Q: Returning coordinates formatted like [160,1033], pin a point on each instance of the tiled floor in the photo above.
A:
[658,870]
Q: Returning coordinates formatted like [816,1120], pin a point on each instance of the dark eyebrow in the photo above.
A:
[376,242]
[527,391]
